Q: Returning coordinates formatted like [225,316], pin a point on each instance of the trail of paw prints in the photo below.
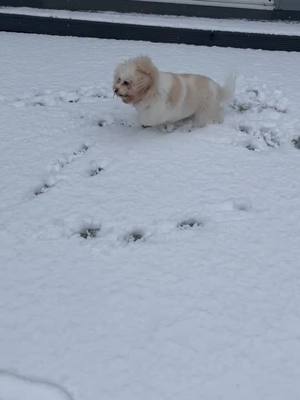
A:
[139,235]
[259,112]
[173,228]
[259,99]
[55,170]
[48,98]
[134,235]
[107,120]
[256,138]
[112,121]
[91,231]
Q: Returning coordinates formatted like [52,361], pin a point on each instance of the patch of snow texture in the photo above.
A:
[16,387]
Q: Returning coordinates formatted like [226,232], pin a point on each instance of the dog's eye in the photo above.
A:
[126,83]
[119,80]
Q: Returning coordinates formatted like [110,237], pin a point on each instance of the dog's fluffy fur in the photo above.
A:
[164,97]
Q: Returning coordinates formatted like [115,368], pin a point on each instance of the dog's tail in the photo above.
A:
[228,89]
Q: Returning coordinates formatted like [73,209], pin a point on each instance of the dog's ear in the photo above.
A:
[145,66]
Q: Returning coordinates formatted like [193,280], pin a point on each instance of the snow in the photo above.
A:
[142,264]
[271,27]
[14,387]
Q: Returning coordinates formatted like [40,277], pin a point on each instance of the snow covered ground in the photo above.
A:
[16,387]
[141,264]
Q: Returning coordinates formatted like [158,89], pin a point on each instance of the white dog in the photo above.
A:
[164,97]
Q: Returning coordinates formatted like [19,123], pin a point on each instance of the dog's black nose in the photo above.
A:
[116,90]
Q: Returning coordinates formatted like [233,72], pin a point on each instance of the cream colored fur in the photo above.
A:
[163,97]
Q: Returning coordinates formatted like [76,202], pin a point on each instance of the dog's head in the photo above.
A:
[135,80]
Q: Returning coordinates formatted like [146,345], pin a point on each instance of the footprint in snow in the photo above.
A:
[134,236]
[96,171]
[89,232]
[242,205]
[42,189]
[190,223]
[296,142]
[251,147]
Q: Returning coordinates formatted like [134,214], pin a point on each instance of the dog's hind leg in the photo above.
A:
[213,115]
[219,115]
[200,119]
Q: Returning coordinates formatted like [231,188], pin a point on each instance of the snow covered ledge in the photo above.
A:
[154,28]
[213,24]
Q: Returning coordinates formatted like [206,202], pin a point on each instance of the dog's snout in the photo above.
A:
[116,90]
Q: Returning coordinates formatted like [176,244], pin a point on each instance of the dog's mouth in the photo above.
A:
[125,98]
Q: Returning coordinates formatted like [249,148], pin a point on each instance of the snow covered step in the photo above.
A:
[267,35]
[234,25]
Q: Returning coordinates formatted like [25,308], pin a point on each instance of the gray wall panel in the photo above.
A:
[288,4]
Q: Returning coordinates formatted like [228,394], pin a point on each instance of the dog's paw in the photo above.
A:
[168,127]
